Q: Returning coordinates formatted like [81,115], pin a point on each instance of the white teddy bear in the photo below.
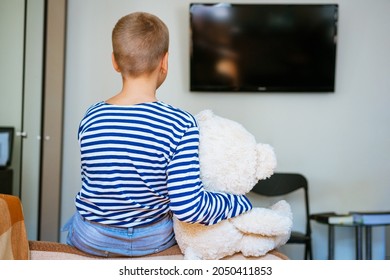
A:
[232,161]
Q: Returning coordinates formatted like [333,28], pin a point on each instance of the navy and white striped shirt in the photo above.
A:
[139,162]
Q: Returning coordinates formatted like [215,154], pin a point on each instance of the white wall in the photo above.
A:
[339,141]
[11,76]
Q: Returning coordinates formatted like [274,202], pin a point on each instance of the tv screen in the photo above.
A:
[263,47]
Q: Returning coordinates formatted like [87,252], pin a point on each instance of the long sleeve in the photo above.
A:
[189,201]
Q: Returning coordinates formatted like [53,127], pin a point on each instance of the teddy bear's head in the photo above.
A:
[231,160]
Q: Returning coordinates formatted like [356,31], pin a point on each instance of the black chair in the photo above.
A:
[281,184]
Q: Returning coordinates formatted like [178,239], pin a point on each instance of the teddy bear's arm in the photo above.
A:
[273,221]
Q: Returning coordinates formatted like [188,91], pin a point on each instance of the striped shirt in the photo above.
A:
[139,162]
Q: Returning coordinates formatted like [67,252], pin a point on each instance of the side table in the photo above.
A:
[323,218]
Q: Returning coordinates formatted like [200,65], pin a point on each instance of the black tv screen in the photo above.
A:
[263,47]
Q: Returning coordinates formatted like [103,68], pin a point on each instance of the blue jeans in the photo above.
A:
[108,241]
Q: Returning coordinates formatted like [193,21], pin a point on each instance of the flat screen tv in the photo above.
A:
[263,47]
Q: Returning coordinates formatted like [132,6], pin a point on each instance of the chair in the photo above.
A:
[13,234]
[280,184]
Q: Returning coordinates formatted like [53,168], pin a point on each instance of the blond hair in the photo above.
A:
[139,42]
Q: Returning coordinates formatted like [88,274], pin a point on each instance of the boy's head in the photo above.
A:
[139,40]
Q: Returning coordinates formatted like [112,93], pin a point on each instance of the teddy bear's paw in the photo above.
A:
[256,246]
[282,239]
[263,221]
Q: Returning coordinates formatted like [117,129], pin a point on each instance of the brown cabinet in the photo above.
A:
[6,179]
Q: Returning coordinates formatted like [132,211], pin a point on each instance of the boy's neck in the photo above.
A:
[135,91]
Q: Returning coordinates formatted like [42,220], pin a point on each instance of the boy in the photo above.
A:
[139,156]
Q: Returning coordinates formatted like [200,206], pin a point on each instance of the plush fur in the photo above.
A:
[232,161]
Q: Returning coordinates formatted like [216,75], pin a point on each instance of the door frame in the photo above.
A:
[51,157]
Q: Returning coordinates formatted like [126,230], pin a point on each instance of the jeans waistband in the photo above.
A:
[167,215]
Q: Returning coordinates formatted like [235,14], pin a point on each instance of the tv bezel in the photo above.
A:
[260,88]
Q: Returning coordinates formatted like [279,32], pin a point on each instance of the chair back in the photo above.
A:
[280,184]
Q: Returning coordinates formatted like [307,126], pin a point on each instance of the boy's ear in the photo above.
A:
[114,64]
[164,63]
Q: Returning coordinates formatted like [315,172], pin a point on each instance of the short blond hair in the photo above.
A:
[139,42]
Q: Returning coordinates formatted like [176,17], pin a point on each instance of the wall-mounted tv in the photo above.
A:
[263,47]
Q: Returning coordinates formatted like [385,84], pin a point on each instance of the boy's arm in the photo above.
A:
[190,202]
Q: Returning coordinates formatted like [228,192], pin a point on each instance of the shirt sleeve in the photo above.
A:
[189,201]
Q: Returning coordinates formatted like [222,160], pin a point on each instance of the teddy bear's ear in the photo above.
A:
[204,115]
[266,161]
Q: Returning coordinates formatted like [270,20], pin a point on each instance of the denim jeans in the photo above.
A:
[108,241]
